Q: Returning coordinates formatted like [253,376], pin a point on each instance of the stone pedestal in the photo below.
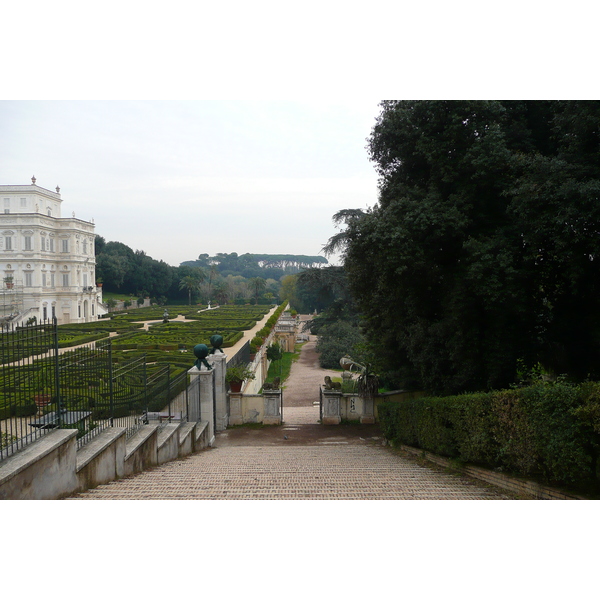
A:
[272,405]
[368,414]
[193,396]
[331,407]
[236,416]
[218,361]
[201,394]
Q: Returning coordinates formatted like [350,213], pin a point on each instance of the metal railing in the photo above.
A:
[82,389]
[27,382]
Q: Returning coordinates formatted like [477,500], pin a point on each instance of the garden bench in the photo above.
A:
[161,416]
[68,417]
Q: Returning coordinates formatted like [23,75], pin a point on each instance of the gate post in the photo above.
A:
[202,379]
[219,365]
[368,413]
[331,407]
[272,402]
[193,396]
[236,416]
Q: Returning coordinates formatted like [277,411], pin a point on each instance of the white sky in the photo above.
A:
[180,178]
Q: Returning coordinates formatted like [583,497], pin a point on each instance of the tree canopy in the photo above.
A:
[272,266]
[483,250]
[126,271]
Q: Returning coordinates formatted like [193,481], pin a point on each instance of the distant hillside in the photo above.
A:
[267,266]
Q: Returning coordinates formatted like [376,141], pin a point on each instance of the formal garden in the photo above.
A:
[137,355]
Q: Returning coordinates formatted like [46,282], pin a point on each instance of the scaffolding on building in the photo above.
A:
[11,300]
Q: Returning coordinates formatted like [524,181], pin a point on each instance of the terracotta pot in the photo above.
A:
[42,399]
[235,386]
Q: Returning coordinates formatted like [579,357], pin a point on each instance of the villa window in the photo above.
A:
[65,280]
[28,279]
[8,243]
[65,245]
[28,245]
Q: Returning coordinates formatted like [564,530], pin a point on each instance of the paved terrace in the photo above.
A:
[299,460]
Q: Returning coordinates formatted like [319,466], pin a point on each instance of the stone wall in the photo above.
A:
[51,468]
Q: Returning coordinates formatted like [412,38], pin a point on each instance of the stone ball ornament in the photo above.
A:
[201,351]
[216,341]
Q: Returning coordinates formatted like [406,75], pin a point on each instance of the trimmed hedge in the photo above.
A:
[549,431]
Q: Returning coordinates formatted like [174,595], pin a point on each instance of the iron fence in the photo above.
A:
[83,388]
[28,382]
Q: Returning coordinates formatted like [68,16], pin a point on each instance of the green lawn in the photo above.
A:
[281,368]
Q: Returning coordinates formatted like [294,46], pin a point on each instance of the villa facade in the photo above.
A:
[47,262]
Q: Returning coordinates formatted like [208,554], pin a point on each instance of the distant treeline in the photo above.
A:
[267,266]
[222,278]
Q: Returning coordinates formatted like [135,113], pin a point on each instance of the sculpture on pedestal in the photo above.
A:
[368,382]
[216,341]
[332,385]
[201,352]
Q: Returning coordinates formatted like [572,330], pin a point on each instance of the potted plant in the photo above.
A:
[42,400]
[236,375]
[9,281]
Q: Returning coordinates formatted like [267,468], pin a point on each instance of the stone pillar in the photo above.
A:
[201,384]
[272,404]
[368,413]
[218,361]
[236,416]
[193,395]
[331,407]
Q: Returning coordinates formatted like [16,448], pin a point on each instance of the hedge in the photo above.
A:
[548,431]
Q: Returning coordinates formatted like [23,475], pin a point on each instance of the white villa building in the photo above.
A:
[47,262]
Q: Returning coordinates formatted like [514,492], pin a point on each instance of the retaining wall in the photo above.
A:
[51,468]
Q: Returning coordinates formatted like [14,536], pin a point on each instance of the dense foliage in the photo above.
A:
[541,430]
[337,339]
[326,292]
[125,271]
[483,248]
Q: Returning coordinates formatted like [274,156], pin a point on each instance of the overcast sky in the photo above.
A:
[180,178]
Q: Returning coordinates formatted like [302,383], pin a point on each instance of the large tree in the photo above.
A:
[484,246]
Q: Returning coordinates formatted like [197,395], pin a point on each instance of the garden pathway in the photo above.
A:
[299,460]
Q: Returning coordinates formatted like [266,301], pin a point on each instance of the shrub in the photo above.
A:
[545,430]
[335,341]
